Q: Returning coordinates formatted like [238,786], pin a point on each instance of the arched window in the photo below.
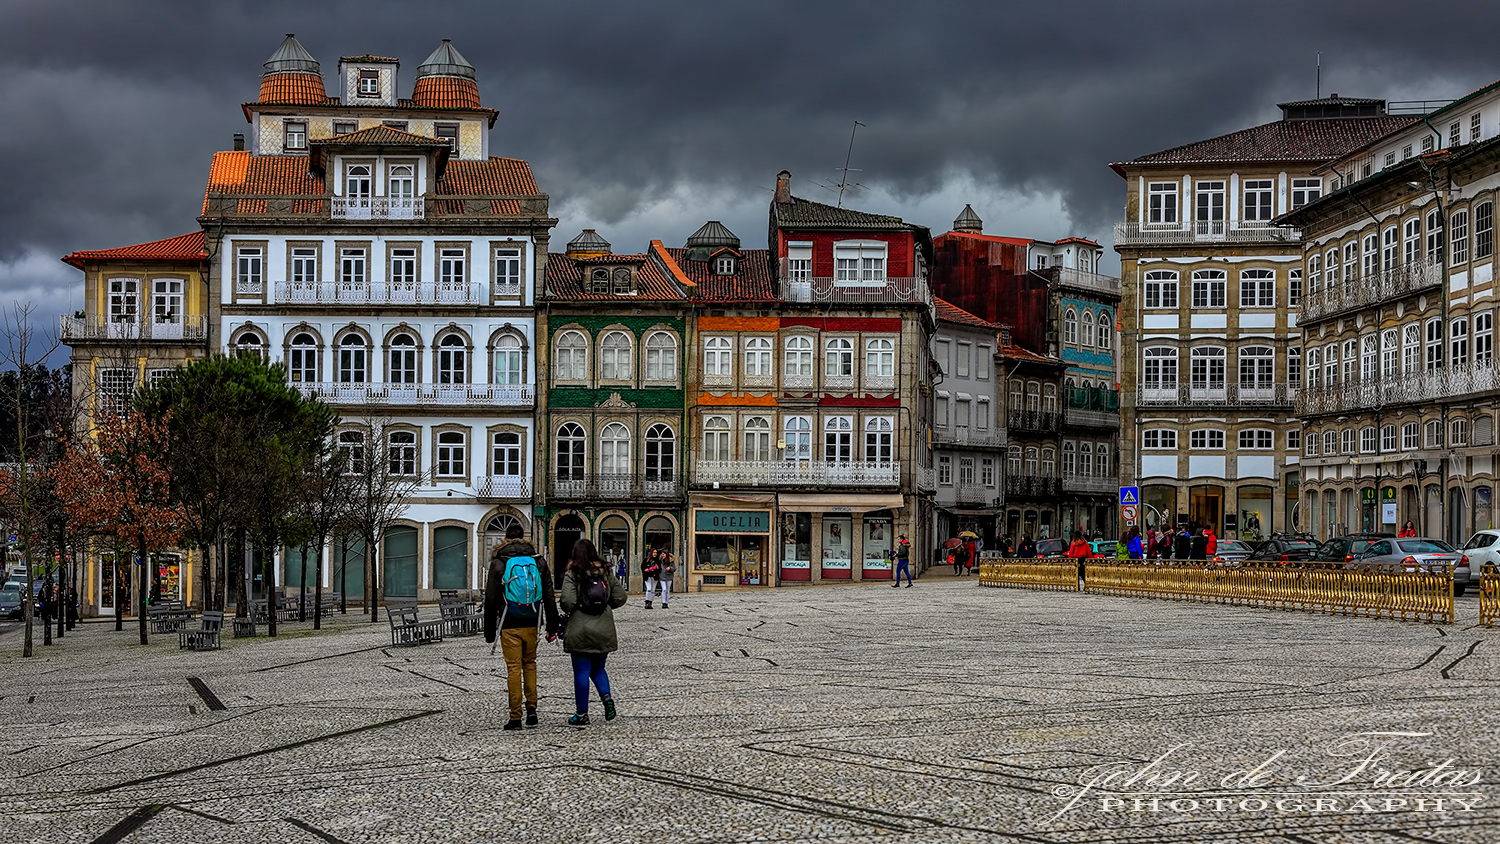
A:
[1031,461]
[838,439]
[1086,460]
[1411,348]
[1433,434]
[1258,288]
[353,363]
[1159,370]
[1070,327]
[1049,462]
[1459,433]
[838,358]
[880,358]
[505,454]
[879,436]
[661,453]
[718,357]
[599,281]
[1106,331]
[797,432]
[621,279]
[614,450]
[1069,459]
[302,359]
[758,358]
[1390,354]
[403,360]
[1086,338]
[570,451]
[401,187]
[1013,461]
[1016,389]
[1206,375]
[572,362]
[352,451]
[1033,396]
[661,357]
[510,360]
[249,343]
[1049,398]
[1411,241]
[757,439]
[1390,248]
[401,453]
[799,357]
[716,438]
[615,357]
[452,360]
[1102,466]
[1370,267]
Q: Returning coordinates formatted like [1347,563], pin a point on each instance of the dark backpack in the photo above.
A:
[593,592]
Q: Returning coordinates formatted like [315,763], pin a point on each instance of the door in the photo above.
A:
[567,533]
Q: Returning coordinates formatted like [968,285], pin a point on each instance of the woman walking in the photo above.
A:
[590,594]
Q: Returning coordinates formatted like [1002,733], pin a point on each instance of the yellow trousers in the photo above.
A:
[519,647]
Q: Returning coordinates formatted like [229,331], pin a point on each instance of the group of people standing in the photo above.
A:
[1193,542]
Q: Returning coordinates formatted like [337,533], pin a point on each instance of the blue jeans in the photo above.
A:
[903,566]
[586,667]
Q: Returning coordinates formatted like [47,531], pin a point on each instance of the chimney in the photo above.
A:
[1005,335]
[239,142]
[783,188]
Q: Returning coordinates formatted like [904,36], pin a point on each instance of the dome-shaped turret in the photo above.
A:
[713,235]
[588,244]
[445,80]
[292,76]
[969,222]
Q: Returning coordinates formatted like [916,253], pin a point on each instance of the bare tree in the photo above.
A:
[382,494]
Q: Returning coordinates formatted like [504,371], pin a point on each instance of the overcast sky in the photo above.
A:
[643,120]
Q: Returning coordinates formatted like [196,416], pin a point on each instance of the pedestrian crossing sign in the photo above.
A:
[1130,495]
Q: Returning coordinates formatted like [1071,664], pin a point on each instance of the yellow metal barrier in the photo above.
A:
[1054,573]
[1489,595]
[1319,587]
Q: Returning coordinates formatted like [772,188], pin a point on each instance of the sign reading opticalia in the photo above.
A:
[796,564]
[733,521]
[836,563]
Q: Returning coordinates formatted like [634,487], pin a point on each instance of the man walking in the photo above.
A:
[519,595]
[903,561]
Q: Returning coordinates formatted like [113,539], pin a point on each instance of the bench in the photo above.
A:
[331,602]
[407,628]
[244,628]
[204,638]
[168,616]
[460,618]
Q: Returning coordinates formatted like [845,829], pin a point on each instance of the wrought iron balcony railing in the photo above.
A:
[505,487]
[102,328]
[1090,484]
[1198,231]
[965,435]
[1084,280]
[975,495]
[1441,383]
[377,208]
[337,392]
[796,473]
[1216,395]
[1033,421]
[614,486]
[423,207]
[1032,486]
[415,293]
[1366,291]
[834,290]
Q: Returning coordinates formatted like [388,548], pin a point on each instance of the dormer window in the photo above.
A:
[295,134]
[369,83]
[341,127]
[399,125]
[599,282]
[724,265]
[622,282]
[447,132]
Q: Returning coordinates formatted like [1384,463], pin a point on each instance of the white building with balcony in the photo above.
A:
[370,244]
[1212,292]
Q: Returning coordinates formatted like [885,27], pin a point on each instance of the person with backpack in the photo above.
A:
[590,594]
[518,597]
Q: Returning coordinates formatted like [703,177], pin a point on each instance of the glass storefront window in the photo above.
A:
[878,542]
[796,546]
[1253,511]
[838,539]
[1483,508]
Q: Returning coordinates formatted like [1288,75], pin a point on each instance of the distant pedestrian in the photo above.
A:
[1199,547]
[1408,530]
[957,558]
[903,561]
[516,569]
[1080,550]
[650,569]
[1133,545]
[1211,541]
[1006,549]
[666,565]
[971,556]
[590,595]
[1182,545]
[1027,549]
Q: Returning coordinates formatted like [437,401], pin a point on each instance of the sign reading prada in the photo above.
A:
[733,521]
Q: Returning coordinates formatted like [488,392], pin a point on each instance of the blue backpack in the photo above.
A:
[523,587]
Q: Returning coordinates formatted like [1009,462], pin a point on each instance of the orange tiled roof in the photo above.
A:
[502,176]
[293,89]
[445,92]
[1014,352]
[184,247]
[653,281]
[239,172]
[948,312]
[382,135]
[753,281]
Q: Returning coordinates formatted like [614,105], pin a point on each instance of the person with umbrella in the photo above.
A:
[971,550]
[955,549]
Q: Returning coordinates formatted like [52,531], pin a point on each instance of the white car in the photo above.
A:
[1483,548]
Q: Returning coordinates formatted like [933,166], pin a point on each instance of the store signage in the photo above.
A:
[733,521]
[796,564]
[836,563]
[877,564]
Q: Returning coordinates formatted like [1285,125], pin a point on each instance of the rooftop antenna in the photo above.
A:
[843,183]
[1320,75]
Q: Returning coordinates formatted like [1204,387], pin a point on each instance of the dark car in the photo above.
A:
[10,604]
[1284,550]
[1342,549]
[1051,547]
[1232,551]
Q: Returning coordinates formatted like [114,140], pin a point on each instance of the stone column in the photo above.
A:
[815,548]
[857,547]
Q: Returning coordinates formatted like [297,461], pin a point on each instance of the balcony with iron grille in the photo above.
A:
[615,487]
[1032,487]
[975,495]
[1090,485]
[174,328]
[1091,407]
[377,207]
[1443,383]
[366,293]
[1033,421]
[422,395]
[504,488]
[1215,395]
[1366,291]
[796,473]
[1083,280]
[292,206]
[964,435]
[1203,231]
[883,289]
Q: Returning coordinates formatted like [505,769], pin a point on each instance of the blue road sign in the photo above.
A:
[1130,495]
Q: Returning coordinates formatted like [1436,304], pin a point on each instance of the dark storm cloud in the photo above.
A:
[676,112]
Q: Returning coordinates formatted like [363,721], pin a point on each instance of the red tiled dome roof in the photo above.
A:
[292,89]
[445,92]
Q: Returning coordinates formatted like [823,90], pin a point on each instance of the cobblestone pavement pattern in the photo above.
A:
[853,713]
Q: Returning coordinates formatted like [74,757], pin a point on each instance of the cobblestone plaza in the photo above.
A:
[850,713]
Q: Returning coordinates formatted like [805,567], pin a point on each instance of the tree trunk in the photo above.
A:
[236,569]
[140,608]
[268,588]
[206,563]
[121,589]
[59,605]
[317,586]
[302,585]
[27,603]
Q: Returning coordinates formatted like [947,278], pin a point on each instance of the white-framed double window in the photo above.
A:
[796,432]
[402,360]
[353,360]
[452,360]
[718,357]
[1484,336]
[1259,197]
[716,438]
[1257,439]
[452,454]
[1209,288]
[302,358]
[1305,191]
[1458,238]
[757,439]
[572,361]
[1161,289]
[758,357]
[838,358]
[661,356]
[166,301]
[508,272]
[880,358]
[859,262]
[879,439]
[614,450]
[616,357]
[505,454]
[799,357]
[401,453]
[1257,288]
[509,361]
[1206,438]
[249,269]
[1161,203]
[1159,439]
[838,439]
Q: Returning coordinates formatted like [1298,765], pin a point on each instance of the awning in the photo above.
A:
[838,503]
[718,500]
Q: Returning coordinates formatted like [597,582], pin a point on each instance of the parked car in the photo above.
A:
[1413,553]
[1051,547]
[1231,551]
[1284,550]
[10,604]
[1482,548]
[1105,548]
[1342,549]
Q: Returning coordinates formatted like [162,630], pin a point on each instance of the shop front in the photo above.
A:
[732,539]
[851,536]
[878,542]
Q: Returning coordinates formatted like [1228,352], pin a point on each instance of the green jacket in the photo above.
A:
[592,634]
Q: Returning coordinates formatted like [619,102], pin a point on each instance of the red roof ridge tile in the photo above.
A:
[183,247]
